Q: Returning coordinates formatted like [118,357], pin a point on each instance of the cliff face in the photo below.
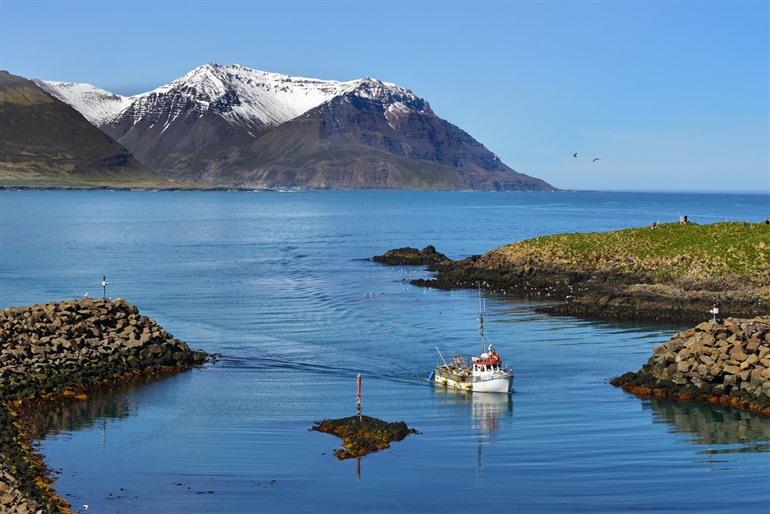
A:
[726,362]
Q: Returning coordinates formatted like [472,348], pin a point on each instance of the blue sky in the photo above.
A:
[670,95]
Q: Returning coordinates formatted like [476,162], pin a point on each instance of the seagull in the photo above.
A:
[574,155]
[595,159]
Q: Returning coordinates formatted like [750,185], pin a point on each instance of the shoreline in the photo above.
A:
[594,296]
[675,273]
[63,351]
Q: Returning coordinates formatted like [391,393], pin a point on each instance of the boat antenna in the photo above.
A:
[442,357]
[481,319]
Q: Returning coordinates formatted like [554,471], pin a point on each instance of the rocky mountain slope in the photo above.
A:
[232,125]
[44,141]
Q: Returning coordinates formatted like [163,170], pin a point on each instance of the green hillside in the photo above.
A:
[670,250]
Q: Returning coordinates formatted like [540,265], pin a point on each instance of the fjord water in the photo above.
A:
[279,284]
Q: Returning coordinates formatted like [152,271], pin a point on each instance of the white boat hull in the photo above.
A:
[491,385]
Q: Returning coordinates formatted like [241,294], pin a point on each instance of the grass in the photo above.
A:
[670,251]
[103,182]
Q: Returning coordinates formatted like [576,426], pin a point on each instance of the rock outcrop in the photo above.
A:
[363,436]
[409,256]
[63,350]
[725,362]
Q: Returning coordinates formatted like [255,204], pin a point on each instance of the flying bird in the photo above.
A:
[595,159]
[574,155]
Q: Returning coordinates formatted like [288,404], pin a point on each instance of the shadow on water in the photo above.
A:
[52,417]
[725,430]
[520,307]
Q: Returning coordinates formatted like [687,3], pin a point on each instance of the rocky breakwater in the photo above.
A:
[725,362]
[64,350]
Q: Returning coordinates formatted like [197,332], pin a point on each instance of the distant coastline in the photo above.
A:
[669,272]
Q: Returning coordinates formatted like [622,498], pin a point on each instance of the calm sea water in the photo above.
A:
[280,286]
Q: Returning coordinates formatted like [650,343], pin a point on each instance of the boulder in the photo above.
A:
[412,257]
[702,362]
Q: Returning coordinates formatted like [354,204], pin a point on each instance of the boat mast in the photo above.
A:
[481,319]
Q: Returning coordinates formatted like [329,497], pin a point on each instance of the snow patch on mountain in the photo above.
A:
[95,104]
[242,96]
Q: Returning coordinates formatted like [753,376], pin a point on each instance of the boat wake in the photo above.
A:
[262,363]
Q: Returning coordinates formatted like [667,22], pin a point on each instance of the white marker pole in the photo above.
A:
[358,398]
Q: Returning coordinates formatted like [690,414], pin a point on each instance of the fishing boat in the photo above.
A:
[483,373]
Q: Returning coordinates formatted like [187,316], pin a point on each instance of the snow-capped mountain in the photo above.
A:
[242,95]
[239,94]
[95,104]
[233,125]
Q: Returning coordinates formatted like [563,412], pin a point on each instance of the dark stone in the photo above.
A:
[409,256]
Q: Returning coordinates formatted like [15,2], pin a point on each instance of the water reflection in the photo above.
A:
[488,413]
[488,409]
[52,417]
[725,430]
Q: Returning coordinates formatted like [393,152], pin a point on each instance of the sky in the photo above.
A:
[670,95]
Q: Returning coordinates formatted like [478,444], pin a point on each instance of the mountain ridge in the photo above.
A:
[233,125]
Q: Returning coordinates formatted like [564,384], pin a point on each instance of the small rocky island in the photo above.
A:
[64,350]
[723,362]
[669,272]
[409,256]
[360,437]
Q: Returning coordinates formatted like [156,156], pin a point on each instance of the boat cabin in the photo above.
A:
[486,367]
